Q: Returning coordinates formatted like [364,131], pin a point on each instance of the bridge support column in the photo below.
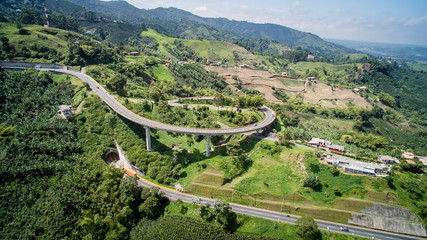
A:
[148,139]
[257,131]
[208,149]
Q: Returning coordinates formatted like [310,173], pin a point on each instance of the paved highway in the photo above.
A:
[283,217]
[256,212]
[120,109]
[251,211]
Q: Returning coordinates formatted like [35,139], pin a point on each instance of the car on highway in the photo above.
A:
[345,229]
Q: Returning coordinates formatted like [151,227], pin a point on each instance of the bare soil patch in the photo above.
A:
[264,81]
[327,96]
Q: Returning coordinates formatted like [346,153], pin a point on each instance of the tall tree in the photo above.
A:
[307,228]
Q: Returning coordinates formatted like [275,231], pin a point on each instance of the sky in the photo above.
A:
[384,21]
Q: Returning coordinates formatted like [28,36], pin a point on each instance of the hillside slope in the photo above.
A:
[181,23]
[35,43]
[205,51]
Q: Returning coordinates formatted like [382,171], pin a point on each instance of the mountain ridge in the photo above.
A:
[171,21]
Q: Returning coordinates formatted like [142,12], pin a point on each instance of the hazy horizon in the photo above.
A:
[380,21]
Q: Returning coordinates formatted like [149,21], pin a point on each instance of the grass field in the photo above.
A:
[161,73]
[302,67]
[274,175]
[418,66]
[36,37]
[292,83]
[210,49]
[61,78]
[253,225]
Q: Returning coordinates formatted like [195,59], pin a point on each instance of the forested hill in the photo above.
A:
[282,34]
[176,22]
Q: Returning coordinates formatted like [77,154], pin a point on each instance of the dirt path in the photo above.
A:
[79,107]
[222,124]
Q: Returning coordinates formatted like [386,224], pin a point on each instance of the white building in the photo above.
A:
[65,110]
[359,167]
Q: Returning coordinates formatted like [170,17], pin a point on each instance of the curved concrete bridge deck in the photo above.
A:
[147,123]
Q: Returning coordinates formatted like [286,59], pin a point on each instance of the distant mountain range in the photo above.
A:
[180,23]
[404,52]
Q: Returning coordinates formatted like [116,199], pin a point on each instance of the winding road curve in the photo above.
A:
[172,194]
[120,109]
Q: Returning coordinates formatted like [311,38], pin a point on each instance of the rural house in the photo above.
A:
[388,159]
[65,110]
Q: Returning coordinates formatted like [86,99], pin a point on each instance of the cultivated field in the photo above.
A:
[312,92]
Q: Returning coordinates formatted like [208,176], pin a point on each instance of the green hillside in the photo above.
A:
[33,43]
[112,31]
[56,182]
[202,51]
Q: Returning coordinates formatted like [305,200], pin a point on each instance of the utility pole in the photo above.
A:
[282,204]
[45,13]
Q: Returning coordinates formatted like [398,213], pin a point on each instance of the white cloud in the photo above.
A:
[243,7]
[201,9]
[389,20]
[415,21]
[297,4]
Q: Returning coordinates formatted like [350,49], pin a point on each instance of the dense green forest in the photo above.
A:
[39,157]
[51,186]
[405,85]
[56,183]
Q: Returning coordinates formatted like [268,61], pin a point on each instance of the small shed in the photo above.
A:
[65,110]
[336,148]
[408,155]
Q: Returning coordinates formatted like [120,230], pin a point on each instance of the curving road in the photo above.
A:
[282,217]
[120,109]
[251,211]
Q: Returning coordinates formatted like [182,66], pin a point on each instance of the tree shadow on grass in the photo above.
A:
[139,130]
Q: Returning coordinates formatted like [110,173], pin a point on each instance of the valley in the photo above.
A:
[232,130]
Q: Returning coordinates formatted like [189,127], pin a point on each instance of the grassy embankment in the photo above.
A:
[37,40]
[274,182]
[418,66]
[33,43]
[253,225]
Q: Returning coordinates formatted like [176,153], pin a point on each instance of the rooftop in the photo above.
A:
[345,162]
[65,107]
